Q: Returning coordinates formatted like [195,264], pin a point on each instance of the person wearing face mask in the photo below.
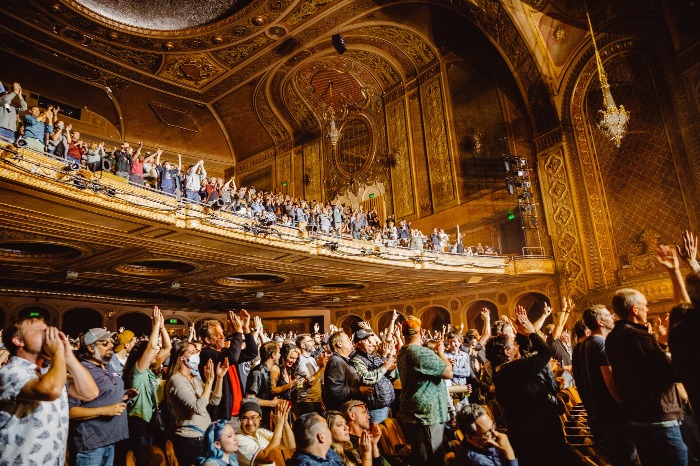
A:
[188,398]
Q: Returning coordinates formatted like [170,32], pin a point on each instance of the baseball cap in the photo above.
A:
[122,339]
[348,405]
[360,335]
[411,325]
[97,334]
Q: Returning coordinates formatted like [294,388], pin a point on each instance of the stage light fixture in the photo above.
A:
[339,43]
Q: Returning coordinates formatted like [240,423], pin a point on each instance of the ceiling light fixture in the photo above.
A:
[614,120]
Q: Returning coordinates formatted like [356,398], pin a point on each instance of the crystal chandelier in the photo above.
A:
[329,115]
[614,119]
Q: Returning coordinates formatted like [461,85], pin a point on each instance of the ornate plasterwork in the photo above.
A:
[272,123]
[408,41]
[196,69]
[299,110]
[236,54]
[399,154]
[306,9]
[386,74]
[441,174]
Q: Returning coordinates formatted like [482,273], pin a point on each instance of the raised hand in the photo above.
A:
[52,342]
[689,251]
[235,321]
[222,368]
[158,317]
[548,309]
[666,255]
[662,327]
[316,327]
[121,329]
[375,433]
[209,371]
[485,314]
[245,319]
[525,327]
[365,326]
[257,324]
[366,445]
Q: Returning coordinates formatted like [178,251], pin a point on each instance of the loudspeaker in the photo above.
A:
[338,43]
[106,165]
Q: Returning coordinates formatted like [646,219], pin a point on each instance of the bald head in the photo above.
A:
[630,304]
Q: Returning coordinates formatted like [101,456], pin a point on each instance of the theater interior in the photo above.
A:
[481,117]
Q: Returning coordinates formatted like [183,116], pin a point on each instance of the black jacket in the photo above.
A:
[235,356]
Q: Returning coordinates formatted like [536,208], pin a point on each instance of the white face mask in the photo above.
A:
[193,364]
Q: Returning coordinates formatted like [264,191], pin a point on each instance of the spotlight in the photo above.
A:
[21,142]
[523,184]
[217,204]
[510,186]
[521,173]
[339,43]
[331,245]
[80,182]
[106,165]
[96,187]
[111,192]
[521,162]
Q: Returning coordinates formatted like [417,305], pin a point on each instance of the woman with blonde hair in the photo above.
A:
[340,433]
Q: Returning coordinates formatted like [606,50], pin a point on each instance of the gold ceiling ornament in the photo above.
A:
[614,119]
[329,116]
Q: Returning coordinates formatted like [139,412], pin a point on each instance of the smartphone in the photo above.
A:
[131,402]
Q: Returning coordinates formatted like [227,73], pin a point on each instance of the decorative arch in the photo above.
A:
[434,317]
[473,313]
[137,322]
[79,320]
[534,305]
[49,314]
[349,324]
[385,319]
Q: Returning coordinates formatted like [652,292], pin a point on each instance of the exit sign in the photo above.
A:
[371,196]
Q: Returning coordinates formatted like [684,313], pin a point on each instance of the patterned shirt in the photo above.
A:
[31,432]
[424,394]
[461,368]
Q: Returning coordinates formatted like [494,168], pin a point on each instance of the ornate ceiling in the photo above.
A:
[242,77]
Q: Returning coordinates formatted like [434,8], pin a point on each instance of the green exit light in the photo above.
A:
[371,196]
[34,314]
[173,321]
[511,215]
[284,184]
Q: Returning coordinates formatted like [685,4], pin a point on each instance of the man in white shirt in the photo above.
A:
[309,395]
[34,401]
[259,446]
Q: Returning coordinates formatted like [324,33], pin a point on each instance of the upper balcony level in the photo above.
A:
[94,236]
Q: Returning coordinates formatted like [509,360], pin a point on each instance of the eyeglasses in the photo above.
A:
[251,418]
[104,342]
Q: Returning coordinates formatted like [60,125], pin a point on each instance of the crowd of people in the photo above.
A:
[493,396]
[44,131]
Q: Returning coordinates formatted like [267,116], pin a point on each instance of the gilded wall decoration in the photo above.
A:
[141,60]
[298,167]
[238,53]
[439,160]
[306,9]
[409,42]
[284,170]
[300,111]
[381,68]
[197,69]
[399,157]
[557,199]
[272,123]
[312,171]
[261,179]
[420,159]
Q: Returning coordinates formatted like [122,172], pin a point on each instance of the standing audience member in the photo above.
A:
[314,440]
[682,342]
[594,381]
[37,125]
[482,444]
[218,348]
[312,369]
[9,111]
[259,383]
[423,412]
[138,374]
[34,398]
[122,347]
[188,399]
[645,383]
[377,372]
[532,412]
[284,376]
[97,425]
[259,446]
[340,380]
[193,181]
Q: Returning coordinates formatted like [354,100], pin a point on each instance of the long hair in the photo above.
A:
[213,434]
[175,359]
[341,449]
[131,361]
[284,352]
